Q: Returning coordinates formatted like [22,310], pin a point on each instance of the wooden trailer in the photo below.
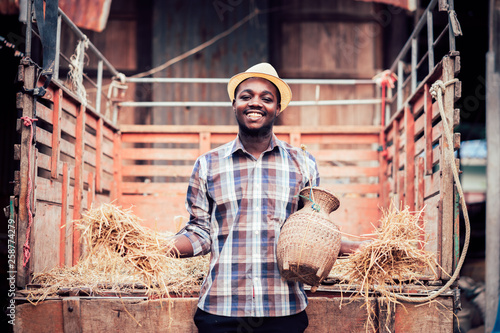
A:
[73,157]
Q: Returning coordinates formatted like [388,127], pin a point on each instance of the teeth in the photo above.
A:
[254,115]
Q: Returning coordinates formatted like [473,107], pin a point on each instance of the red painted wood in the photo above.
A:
[78,187]
[90,190]
[98,156]
[428,129]
[205,142]
[410,160]
[64,214]
[117,168]
[56,132]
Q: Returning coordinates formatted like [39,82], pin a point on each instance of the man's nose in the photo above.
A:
[255,101]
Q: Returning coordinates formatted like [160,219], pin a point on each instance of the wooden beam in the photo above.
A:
[117,168]
[98,155]
[78,188]
[447,191]
[56,132]
[28,73]
[295,139]
[410,159]
[64,215]
[428,129]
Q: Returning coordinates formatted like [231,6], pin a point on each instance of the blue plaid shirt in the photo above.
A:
[237,205]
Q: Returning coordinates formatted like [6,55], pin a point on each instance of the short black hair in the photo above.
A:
[277,90]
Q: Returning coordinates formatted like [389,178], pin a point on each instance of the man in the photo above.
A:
[239,196]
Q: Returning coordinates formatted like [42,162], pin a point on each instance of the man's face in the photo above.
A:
[256,106]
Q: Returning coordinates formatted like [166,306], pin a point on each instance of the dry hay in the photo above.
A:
[393,259]
[121,255]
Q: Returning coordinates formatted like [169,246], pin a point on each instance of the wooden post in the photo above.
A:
[90,190]
[56,132]
[78,188]
[410,159]
[117,168]
[98,155]
[447,189]
[28,73]
[382,176]
[64,215]
[493,176]
[421,196]
[395,161]
[428,129]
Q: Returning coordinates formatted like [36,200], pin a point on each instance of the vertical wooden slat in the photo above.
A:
[395,161]
[430,41]
[456,225]
[382,178]
[428,129]
[447,193]
[90,190]
[64,214]
[78,188]
[56,133]
[205,142]
[410,159]
[27,111]
[98,156]
[117,168]
[421,195]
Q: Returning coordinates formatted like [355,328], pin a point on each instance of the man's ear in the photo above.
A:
[278,110]
[234,109]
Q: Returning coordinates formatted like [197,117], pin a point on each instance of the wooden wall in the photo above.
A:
[71,169]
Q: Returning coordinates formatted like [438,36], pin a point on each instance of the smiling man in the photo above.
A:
[239,196]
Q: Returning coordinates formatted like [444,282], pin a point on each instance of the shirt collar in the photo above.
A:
[237,145]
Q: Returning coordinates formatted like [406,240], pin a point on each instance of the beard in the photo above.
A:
[263,131]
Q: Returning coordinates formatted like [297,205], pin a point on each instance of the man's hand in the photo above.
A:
[182,247]
[347,246]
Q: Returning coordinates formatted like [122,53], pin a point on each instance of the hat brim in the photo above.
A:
[284,89]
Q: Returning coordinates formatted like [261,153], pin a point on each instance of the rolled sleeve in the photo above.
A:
[198,206]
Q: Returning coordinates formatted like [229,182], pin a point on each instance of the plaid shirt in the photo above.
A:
[237,206]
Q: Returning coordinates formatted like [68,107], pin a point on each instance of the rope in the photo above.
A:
[76,69]
[28,122]
[436,91]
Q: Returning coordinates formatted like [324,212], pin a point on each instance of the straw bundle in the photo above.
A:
[393,259]
[122,255]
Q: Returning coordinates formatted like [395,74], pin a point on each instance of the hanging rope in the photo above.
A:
[437,90]
[28,122]
[76,69]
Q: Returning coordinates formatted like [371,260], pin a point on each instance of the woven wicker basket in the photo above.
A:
[309,241]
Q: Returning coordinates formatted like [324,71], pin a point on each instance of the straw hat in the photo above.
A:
[265,71]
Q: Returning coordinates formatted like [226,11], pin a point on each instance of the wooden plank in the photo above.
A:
[205,143]
[395,162]
[78,187]
[72,317]
[43,112]
[386,316]
[56,133]
[43,137]
[428,129]
[98,156]
[117,168]
[447,193]
[67,148]
[45,249]
[347,171]
[382,176]
[25,174]
[410,159]
[160,137]
[90,140]
[175,189]
[64,214]
[157,170]
[46,316]
[70,107]
[90,120]
[345,155]
[339,138]
[421,195]
[356,216]
[412,318]
[108,132]
[160,154]
[90,190]
[107,147]
[48,190]
[67,125]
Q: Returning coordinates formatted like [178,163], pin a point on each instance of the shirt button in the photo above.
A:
[257,207]
[256,232]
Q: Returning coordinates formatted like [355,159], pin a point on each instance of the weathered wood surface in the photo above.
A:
[326,315]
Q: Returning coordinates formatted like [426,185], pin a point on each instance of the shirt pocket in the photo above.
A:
[282,202]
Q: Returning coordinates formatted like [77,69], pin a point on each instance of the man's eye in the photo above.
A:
[267,100]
